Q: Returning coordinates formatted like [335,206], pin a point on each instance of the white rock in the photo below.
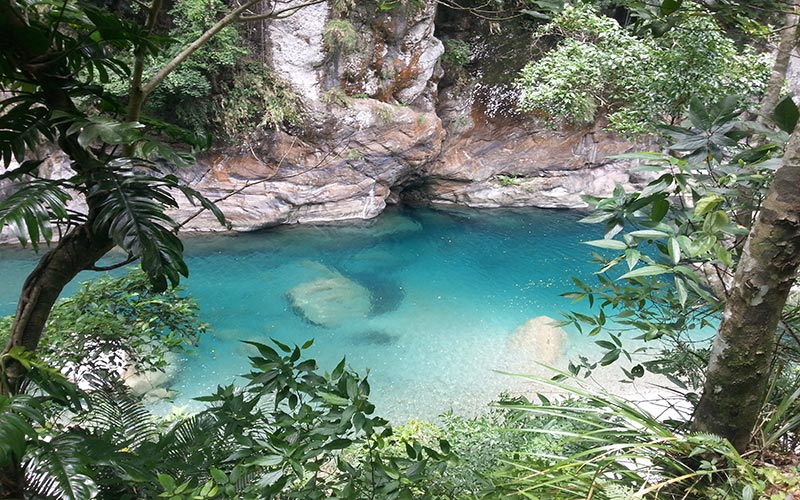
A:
[539,340]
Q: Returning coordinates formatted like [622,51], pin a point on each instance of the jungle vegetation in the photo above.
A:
[91,79]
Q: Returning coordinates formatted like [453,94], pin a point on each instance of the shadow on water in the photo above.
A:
[386,293]
[375,337]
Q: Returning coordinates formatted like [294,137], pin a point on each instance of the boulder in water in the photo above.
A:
[330,301]
[539,340]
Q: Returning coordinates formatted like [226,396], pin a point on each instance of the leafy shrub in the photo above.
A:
[598,67]
[282,436]
[609,449]
[257,98]
[117,321]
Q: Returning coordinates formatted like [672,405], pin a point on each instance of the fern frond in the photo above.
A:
[119,417]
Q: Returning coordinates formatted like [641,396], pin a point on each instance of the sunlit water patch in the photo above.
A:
[427,300]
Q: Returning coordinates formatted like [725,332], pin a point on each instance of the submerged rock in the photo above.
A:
[144,382]
[141,383]
[539,340]
[331,300]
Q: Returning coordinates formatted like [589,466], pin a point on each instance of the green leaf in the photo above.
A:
[334,399]
[715,221]
[167,482]
[610,357]
[680,288]
[218,476]
[786,114]
[706,204]
[674,249]
[337,444]
[651,234]
[670,6]
[632,257]
[609,244]
[267,461]
[698,114]
[646,271]
[659,210]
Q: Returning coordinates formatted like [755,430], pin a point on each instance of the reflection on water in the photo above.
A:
[444,292]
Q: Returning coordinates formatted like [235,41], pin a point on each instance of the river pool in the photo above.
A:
[447,289]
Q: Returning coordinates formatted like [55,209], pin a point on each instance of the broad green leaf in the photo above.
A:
[267,460]
[786,114]
[646,271]
[656,187]
[334,399]
[632,257]
[649,234]
[706,204]
[698,114]
[659,210]
[609,244]
[680,287]
[674,250]
[670,6]
[715,221]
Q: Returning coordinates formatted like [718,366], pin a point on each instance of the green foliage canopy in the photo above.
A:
[600,68]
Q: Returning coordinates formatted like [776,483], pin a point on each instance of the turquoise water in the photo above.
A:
[448,289]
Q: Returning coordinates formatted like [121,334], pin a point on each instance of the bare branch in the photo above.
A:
[131,259]
[279,13]
[168,68]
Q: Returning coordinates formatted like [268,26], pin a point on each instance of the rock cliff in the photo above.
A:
[388,116]
[385,120]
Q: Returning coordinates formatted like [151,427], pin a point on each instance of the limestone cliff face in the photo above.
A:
[384,122]
[387,118]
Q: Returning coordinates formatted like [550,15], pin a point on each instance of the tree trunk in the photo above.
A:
[783,56]
[739,367]
[75,252]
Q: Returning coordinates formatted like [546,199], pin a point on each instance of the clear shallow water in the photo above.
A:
[448,290]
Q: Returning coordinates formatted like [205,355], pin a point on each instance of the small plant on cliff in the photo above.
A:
[457,52]
[257,98]
[509,180]
[339,35]
[335,97]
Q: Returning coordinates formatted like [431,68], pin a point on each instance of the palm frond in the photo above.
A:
[31,209]
[56,470]
[195,197]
